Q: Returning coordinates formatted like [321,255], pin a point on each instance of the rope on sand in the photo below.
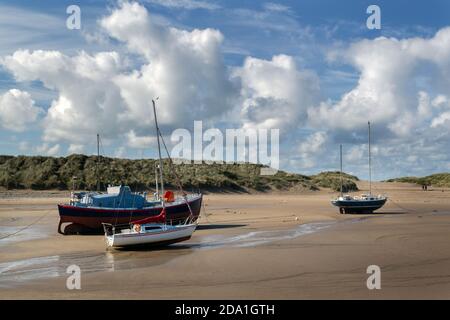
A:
[26,227]
[401,207]
[395,203]
[204,211]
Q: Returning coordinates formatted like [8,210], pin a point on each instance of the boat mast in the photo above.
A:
[156,181]
[98,159]
[370,165]
[340,152]
[159,154]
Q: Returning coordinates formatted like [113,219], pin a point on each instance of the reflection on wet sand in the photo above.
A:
[17,272]
[256,238]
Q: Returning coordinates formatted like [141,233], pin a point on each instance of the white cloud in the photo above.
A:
[277,7]
[313,143]
[441,106]
[311,149]
[140,142]
[120,152]
[275,93]
[46,149]
[75,148]
[186,4]
[355,153]
[24,146]
[393,73]
[96,93]
[442,119]
[184,69]
[88,101]
[17,110]
[424,105]
[439,101]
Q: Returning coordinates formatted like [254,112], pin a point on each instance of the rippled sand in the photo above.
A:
[289,246]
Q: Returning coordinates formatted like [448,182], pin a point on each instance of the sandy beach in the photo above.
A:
[247,246]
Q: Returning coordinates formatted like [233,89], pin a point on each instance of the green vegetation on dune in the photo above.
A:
[437,180]
[332,180]
[40,173]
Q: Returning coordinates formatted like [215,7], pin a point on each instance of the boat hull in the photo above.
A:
[163,237]
[361,206]
[92,218]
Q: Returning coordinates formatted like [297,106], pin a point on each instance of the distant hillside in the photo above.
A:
[332,180]
[437,180]
[40,173]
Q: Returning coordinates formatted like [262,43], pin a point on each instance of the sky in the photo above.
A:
[312,69]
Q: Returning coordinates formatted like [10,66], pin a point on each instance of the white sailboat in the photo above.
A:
[148,231]
[148,234]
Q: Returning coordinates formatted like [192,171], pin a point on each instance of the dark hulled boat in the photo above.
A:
[366,203]
[363,204]
[120,205]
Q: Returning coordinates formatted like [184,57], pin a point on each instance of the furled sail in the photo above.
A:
[159,218]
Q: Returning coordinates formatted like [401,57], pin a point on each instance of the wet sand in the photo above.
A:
[260,246]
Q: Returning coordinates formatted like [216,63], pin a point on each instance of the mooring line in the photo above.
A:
[395,203]
[26,227]
[204,211]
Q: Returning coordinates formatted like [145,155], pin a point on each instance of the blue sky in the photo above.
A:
[326,45]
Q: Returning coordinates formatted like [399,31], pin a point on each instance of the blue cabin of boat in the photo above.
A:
[116,197]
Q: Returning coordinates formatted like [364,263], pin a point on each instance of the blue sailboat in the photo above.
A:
[366,203]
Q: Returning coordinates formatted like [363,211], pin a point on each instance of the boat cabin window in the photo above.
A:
[151,228]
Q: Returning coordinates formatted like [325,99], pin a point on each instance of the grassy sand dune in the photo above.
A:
[44,173]
[436,180]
